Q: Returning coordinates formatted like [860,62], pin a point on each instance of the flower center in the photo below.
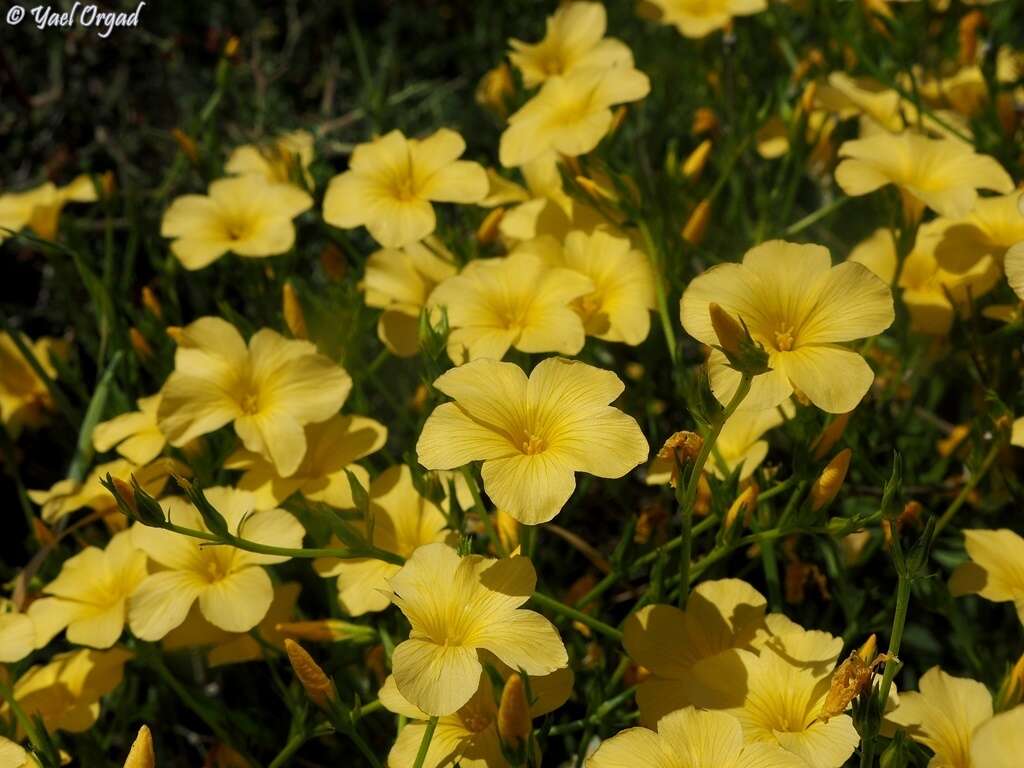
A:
[784,338]
[250,403]
[215,569]
[405,187]
[475,722]
[532,444]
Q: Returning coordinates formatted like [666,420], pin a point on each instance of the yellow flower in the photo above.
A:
[24,398]
[739,445]
[392,180]
[998,743]
[136,435]
[469,735]
[67,496]
[944,717]
[270,390]
[246,215]
[986,233]
[619,307]
[691,738]
[532,434]
[799,307]
[942,174]
[13,755]
[402,521]
[927,287]
[515,301]
[66,691]
[570,114]
[995,571]
[233,589]
[39,208]
[90,594]
[235,647]
[400,281]
[719,615]
[459,609]
[17,634]
[332,446]
[277,161]
[574,39]
[777,694]
[698,18]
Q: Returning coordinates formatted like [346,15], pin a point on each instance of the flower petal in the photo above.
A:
[436,678]
[239,601]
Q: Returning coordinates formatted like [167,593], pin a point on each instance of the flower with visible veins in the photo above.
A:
[995,570]
[532,434]
[460,608]
[392,181]
[799,307]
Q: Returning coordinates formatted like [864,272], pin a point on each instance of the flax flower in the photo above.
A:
[459,608]
[570,114]
[245,215]
[269,390]
[222,647]
[799,307]
[995,571]
[699,18]
[619,307]
[516,301]
[719,615]
[777,695]
[90,594]
[17,634]
[39,208]
[13,754]
[402,521]
[927,287]
[231,585]
[985,234]
[24,398]
[399,281]
[944,716]
[999,742]
[942,174]
[691,738]
[278,161]
[574,39]
[392,181]
[136,434]
[66,691]
[468,736]
[332,447]
[532,434]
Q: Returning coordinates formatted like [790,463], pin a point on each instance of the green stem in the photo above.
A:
[83,448]
[689,496]
[481,511]
[770,561]
[661,294]
[815,216]
[598,626]
[976,478]
[428,734]
[268,549]
[296,742]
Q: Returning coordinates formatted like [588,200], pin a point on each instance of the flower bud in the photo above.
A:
[186,145]
[694,164]
[746,502]
[318,685]
[830,435]
[142,348]
[141,754]
[333,262]
[292,308]
[830,480]
[596,190]
[970,25]
[869,651]
[152,303]
[728,330]
[488,230]
[494,90]
[231,47]
[327,631]
[697,225]
[704,121]
[514,713]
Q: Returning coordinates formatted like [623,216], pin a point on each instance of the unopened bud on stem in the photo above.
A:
[318,685]
[830,480]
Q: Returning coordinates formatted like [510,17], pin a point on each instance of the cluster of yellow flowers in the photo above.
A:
[720,680]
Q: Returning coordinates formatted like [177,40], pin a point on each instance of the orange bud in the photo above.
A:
[693,165]
[231,47]
[488,230]
[126,492]
[151,302]
[746,502]
[830,480]
[830,435]
[514,721]
[177,334]
[970,25]
[318,685]
[697,225]
[704,121]
[141,754]
[186,145]
[730,333]
[292,309]
[325,631]
[142,348]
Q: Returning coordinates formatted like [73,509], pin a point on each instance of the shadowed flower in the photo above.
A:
[392,181]
[279,161]
[90,594]
[532,434]
[399,281]
[942,174]
[136,435]
[17,634]
[574,39]
[570,114]
[459,608]
[469,735]
[245,215]
[698,18]
[799,307]
[39,208]
[24,397]
[691,738]
[269,390]
[516,301]
[332,447]
[619,307]
[402,521]
[987,233]
[999,742]
[995,570]
[233,589]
